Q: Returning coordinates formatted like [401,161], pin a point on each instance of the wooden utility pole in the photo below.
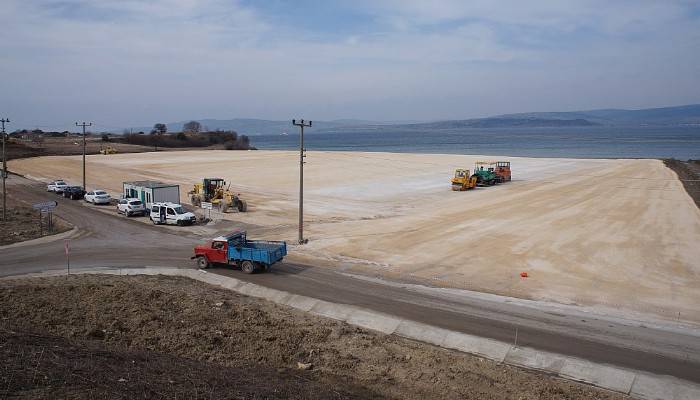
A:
[302,153]
[4,171]
[84,125]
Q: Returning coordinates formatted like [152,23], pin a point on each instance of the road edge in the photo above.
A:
[638,384]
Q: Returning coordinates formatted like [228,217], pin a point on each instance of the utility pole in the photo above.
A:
[84,125]
[302,153]
[4,172]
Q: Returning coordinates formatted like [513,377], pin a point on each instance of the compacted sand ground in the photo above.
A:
[616,233]
[156,337]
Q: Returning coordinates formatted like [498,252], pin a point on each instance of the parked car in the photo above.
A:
[130,207]
[56,186]
[74,192]
[171,213]
[98,197]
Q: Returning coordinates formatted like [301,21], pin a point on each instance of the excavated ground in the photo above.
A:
[165,337]
[619,234]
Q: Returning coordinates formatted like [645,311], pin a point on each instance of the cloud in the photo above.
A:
[132,62]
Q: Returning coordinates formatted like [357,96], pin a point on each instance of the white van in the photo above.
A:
[171,213]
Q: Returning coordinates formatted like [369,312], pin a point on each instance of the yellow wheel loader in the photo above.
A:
[108,150]
[215,191]
[463,180]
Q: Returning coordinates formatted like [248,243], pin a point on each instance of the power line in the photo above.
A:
[84,124]
[4,171]
[302,154]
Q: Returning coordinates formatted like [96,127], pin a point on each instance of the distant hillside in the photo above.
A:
[665,116]
[505,122]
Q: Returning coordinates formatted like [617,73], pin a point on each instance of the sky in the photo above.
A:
[120,63]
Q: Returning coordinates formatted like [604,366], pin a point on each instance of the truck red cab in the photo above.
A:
[214,252]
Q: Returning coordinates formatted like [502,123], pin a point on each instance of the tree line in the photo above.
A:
[191,135]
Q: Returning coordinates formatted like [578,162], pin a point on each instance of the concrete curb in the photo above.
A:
[638,384]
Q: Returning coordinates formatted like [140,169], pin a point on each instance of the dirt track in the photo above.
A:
[621,234]
[160,337]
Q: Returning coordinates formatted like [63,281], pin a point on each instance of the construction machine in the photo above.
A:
[485,176]
[502,171]
[215,191]
[462,180]
[108,150]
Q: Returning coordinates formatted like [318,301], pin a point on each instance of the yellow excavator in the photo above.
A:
[463,180]
[215,191]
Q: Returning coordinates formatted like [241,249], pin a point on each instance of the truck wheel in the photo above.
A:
[242,206]
[247,267]
[202,262]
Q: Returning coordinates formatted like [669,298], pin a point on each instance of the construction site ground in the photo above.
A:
[614,234]
[164,337]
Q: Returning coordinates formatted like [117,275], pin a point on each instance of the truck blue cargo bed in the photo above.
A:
[260,251]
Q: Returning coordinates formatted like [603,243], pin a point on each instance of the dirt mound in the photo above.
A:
[689,173]
[183,325]
[50,367]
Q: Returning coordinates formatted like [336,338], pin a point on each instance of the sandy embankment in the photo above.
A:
[616,233]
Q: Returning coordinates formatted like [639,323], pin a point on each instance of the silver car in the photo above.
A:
[56,186]
[130,207]
[98,197]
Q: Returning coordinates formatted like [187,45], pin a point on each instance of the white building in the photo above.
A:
[150,192]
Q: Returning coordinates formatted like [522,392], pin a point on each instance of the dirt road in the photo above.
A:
[108,240]
[618,234]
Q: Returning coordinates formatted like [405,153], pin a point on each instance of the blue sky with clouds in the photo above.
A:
[131,62]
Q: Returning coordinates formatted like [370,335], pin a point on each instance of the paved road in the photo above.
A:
[107,240]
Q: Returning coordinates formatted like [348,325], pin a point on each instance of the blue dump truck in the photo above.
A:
[235,249]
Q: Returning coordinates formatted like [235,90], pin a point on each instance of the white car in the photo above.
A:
[130,207]
[56,186]
[171,213]
[98,197]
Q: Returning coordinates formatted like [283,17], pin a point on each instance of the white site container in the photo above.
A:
[150,192]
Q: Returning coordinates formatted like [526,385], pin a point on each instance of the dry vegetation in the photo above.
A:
[23,224]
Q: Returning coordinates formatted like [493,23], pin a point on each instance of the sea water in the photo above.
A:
[681,142]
